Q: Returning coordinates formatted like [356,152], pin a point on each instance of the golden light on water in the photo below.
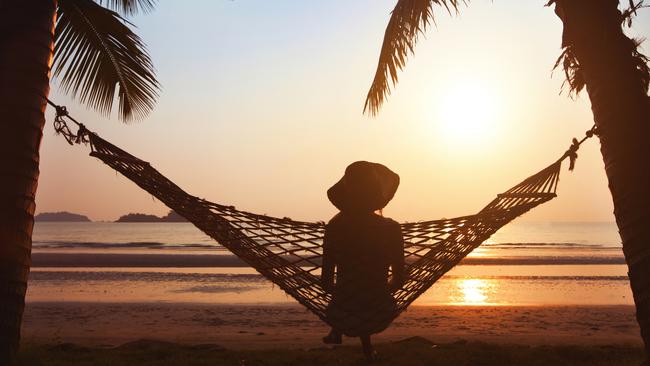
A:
[473,292]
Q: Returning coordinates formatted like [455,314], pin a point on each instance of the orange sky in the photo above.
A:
[261,108]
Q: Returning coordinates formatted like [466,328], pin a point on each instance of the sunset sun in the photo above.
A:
[467,114]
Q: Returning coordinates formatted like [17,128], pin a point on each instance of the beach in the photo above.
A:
[291,326]
[138,291]
[170,334]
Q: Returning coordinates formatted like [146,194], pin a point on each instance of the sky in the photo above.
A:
[261,108]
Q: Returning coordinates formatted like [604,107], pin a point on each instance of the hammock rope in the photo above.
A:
[288,252]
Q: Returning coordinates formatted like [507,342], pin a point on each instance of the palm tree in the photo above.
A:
[95,55]
[596,55]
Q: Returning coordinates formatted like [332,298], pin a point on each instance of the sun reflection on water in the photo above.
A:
[473,291]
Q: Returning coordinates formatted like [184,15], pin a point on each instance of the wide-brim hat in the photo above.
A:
[365,186]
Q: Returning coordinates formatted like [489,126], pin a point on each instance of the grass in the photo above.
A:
[412,351]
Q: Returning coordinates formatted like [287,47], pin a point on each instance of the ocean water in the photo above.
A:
[184,236]
[524,263]
[120,237]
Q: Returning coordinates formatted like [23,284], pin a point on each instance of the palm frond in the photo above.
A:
[95,52]
[128,7]
[408,20]
[572,71]
[574,77]
[628,14]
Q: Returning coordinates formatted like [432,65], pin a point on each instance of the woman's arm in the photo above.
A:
[397,260]
[327,274]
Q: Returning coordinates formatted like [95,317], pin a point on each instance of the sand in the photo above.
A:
[292,327]
[414,351]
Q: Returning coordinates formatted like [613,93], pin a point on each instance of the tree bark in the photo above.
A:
[618,91]
[26,48]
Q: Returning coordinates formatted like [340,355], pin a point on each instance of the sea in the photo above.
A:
[525,263]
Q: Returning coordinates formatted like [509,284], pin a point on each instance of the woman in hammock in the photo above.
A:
[359,247]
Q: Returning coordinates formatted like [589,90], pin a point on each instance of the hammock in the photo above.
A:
[288,252]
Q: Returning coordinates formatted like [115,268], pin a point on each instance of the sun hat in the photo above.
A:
[365,186]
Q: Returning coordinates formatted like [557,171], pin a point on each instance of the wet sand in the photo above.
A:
[45,259]
[291,326]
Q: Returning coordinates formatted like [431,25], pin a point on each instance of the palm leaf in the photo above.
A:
[96,51]
[408,20]
[573,72]
[129,7]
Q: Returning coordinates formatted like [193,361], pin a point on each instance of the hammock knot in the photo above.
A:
[572,153]
[593,131]
[82,136]
[61,128]
[61,111]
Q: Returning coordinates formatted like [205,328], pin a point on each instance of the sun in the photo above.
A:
[467,114]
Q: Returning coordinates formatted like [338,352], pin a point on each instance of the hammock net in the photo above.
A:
[289,252]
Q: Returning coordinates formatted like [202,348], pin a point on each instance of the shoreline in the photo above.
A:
[183,260]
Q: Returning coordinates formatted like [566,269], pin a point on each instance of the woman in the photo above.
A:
[359,247]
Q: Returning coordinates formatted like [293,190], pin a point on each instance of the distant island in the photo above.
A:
[61,217]
[172,216]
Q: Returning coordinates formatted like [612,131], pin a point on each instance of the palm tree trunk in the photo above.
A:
[616,80]
[26,45]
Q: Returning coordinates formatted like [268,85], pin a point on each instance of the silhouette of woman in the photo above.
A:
[358,249]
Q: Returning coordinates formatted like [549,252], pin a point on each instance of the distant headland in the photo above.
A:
[63,216]
[139,217]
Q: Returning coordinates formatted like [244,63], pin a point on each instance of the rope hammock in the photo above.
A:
[288,252]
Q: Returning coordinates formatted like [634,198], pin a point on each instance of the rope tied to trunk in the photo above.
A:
[572,152]
[61,126]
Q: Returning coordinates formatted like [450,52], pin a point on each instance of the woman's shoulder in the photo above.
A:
[336,220]
[343,220]
[385,221]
